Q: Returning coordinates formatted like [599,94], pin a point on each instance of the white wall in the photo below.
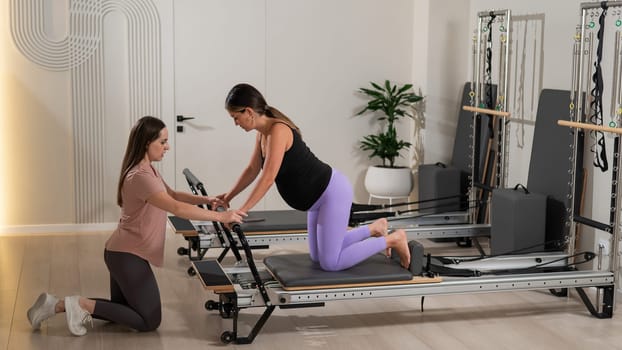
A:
[317,54]
[36,134]
[442,30]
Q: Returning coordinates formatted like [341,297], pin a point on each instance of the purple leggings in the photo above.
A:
[330,242]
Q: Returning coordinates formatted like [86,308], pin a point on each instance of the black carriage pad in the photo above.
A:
[263,221]
[297,271]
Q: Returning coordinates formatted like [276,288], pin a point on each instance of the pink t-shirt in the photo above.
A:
[142,226]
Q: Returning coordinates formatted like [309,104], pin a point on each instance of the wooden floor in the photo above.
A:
[67,264]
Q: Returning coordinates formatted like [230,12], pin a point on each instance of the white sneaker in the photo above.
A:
[77,317]
[43,308]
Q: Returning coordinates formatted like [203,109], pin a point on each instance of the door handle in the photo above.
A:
[181,118]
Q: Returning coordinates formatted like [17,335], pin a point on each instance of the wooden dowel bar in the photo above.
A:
[589,126]
[486,111]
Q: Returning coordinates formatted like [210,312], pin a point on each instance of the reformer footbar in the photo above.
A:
[197,188]
[201,237]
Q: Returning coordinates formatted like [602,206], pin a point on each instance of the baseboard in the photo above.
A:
[57,228]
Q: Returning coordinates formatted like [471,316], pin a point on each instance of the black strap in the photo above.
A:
[596,106]
[521,186]
[488,71]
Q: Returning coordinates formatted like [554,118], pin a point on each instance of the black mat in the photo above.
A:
[550,154]
[461,155]
[297,270]
[275,220]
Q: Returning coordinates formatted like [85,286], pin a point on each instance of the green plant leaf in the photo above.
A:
[394,102]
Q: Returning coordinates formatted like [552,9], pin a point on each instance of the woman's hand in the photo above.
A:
[223,201]
[214,202]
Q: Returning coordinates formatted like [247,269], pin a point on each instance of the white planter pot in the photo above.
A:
[388,182]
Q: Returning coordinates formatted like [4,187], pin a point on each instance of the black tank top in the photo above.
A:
[302,177]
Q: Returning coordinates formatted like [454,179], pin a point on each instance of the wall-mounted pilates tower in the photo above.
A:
[595,85]
[488,96]
[596,56]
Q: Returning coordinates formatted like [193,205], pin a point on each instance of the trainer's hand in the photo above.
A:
[231,216]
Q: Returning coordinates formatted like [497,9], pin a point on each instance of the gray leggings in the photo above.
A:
[134,293]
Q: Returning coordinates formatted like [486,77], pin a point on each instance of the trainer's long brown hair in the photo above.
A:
[246,96]
[146,130]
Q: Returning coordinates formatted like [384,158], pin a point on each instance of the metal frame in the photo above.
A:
[477,86]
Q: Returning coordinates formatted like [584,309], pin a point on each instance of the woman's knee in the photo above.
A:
[329,264]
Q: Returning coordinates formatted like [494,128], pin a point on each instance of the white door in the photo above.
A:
[217,44]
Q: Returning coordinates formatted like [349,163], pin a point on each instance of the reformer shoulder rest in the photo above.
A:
[182,226]
[212,276]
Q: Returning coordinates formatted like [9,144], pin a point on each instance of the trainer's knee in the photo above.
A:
[150,325]
[151,322]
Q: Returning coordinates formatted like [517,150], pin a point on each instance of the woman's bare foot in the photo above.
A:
[398,241]
[379,228]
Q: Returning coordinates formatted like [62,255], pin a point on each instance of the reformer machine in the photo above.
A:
[284,281]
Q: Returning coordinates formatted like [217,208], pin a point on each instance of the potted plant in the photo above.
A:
[394,102]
